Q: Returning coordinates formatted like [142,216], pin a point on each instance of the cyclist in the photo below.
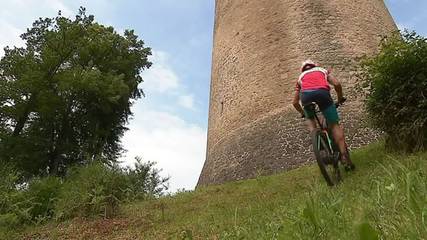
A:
[313,86]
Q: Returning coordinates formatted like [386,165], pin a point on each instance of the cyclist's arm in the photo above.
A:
[296,103]
[337,86]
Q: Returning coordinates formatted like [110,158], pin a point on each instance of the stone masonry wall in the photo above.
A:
[258,48]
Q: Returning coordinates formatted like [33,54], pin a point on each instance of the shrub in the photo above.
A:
[145,181]
[41,196]
[98,189]
[26,203]
[396,80]
[8,181]
[95,189]
[9,220]
[10,197]
[92,190]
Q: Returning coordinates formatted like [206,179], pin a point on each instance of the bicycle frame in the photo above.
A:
[323,125]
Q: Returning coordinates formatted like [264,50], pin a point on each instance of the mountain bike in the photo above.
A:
[325,149]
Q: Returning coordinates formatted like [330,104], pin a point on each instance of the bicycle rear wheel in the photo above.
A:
[324,156]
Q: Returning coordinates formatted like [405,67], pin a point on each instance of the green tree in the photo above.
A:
[65,97]
[396,82]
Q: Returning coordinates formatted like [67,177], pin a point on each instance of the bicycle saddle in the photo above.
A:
[311,105]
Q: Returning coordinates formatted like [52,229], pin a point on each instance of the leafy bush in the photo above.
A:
[145,181]
[92,190]
[396,80]
[41,196]
[98,189]
[95,189]
[8,180]
[25,203]
[9,197]
[9,220]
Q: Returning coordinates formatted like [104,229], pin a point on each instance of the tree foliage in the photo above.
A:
[66,96]
[396,80]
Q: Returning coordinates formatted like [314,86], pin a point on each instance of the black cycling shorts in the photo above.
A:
[324,100]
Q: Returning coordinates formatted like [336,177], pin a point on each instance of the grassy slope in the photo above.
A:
[386,196]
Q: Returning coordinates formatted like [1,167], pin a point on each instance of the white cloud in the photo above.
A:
[57,5]
[17,15]
[9,36]
[176,145]
[32,8]
[160,77]
[186,101]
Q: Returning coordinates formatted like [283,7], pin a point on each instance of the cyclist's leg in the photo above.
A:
[332,118]
[339,138]
[327,106]
[307,98]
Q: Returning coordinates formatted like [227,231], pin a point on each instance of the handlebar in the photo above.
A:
[339,103]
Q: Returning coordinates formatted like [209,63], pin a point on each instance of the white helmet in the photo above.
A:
[306,63]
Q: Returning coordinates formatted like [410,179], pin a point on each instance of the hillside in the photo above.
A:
[385,198]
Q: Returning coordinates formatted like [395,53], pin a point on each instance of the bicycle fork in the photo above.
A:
[329,141]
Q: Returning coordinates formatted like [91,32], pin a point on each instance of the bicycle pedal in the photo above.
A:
[349,167]
[336,156]
[327,160]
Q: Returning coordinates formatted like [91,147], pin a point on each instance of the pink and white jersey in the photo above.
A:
[313,79]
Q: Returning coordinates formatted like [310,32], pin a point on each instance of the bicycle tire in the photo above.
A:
[320,145]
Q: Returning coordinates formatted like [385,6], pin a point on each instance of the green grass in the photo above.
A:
[386,198]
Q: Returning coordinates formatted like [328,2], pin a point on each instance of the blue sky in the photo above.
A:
[169,125]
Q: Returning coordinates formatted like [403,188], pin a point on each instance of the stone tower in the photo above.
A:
[258,48]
